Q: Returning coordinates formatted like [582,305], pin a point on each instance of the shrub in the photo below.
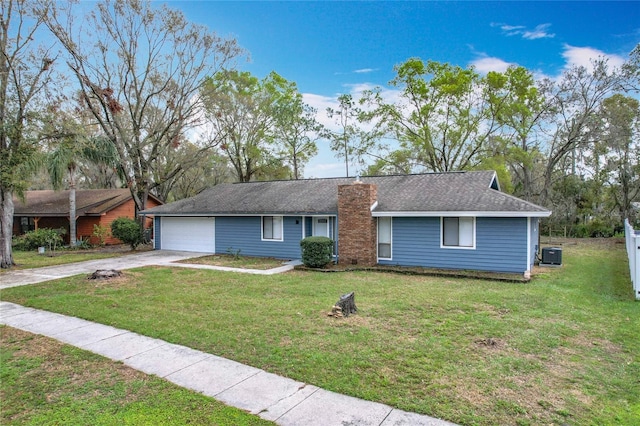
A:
[596,228]
[101,232]
[128,231]
[82,243]
[316,251]
[581,231]
[43,237]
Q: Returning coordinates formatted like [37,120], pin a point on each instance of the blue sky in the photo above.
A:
[329,48]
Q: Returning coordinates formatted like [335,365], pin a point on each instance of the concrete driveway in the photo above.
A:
[15,278]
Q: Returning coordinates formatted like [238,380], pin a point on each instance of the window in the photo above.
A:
[27,224]
[458,232]
[272,228]
[384,238]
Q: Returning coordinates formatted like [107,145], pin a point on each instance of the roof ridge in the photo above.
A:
[365,176]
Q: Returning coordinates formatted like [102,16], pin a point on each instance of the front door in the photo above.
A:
[320,226]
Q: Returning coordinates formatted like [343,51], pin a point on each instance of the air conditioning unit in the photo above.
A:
[551,256]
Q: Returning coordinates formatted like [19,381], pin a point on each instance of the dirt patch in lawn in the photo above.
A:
[242,262]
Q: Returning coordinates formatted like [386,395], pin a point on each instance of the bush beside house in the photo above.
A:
[128,231]
[316,251]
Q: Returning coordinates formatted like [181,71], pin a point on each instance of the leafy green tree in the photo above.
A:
[520,109]
[71,147]
[198,172]
[620,135]
[395,162]
[242,111]
[26,71]
[295,132]
[441,118]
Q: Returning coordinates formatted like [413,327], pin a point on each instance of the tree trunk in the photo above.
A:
[345,306]
[6,228]
[295,167]
[72,209]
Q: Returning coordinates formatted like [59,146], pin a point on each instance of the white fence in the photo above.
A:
[632,239]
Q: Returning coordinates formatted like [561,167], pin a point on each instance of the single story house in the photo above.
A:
[50,209]
[458,220]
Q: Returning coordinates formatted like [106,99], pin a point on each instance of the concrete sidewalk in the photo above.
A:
[21,277]
[282,400]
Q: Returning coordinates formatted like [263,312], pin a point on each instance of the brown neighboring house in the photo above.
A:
[50,209]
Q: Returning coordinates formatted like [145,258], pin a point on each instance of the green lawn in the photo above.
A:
[231,261]
[561,349]
[32,259]
[45,382]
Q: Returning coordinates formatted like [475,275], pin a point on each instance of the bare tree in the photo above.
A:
[344,140]
[25,71]
[631,71]
[575,100]
[139,69]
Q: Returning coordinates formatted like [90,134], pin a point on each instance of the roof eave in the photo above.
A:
[216,214]
[463,213]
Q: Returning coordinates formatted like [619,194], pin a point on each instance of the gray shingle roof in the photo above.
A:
[422,193]
[89,202]
[56,203]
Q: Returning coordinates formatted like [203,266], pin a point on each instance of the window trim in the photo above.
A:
[390,239]
[262,237]
[458,247]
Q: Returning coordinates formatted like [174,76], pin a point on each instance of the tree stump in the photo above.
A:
[345,306]
[104,274]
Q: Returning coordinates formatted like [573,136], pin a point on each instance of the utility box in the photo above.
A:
[551,256]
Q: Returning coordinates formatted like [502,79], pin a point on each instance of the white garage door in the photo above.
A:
[188,234]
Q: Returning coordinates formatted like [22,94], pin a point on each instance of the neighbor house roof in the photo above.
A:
[89,202]
[432,194]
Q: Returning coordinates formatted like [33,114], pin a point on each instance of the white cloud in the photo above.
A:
[510,28]
[582,56]
[357,89]
[540,31]
[321,103]
[364,70]
[486,64]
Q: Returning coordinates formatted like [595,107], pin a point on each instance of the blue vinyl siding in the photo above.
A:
[156,233]
[501,245]
[244,234]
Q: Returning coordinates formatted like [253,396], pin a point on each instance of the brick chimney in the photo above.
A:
[356,226]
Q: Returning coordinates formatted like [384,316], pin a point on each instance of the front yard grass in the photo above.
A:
[47,382]
[561,349]
[33,259]
[243,262]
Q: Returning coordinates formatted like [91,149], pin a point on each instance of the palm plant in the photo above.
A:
[71,149]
